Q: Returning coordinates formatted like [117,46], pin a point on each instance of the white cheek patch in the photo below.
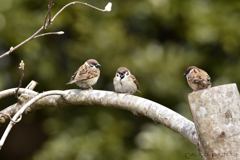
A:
[118,77]
[86,63]
[189,73]
[127,74]
[90,65]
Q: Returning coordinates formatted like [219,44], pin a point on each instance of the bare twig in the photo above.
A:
[107,9]
[101,10]
[48,15]
[11,118]
[20,84]
[44,34]
[21,67]
[22,43]
[31,85]
[20,112]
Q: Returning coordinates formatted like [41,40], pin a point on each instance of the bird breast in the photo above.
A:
[125,85]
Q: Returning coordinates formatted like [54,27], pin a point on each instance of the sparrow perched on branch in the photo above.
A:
[87,75]
[125,82]
[197,78]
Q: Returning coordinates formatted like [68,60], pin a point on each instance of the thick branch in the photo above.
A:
[216,115]
[139,106]
[10,92]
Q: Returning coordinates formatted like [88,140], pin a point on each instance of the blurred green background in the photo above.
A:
[155,39]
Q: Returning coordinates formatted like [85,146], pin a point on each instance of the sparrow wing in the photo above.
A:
[199,76]
[87,74]
[72,78]
[83,73]
[135,81]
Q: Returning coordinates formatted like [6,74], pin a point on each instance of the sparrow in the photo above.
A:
[125,82]
[87,75]
[197,78]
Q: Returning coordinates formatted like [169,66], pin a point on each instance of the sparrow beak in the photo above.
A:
[121,75]
[98,65]
[184,74]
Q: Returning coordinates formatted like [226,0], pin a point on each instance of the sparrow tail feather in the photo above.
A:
[71,82]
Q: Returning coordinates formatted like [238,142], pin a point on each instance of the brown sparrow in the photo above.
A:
[87,75]
[197,78]
[125,82]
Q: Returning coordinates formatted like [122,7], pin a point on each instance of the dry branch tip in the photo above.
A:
[108,7]
[21,65]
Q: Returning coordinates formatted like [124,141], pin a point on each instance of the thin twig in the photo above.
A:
[48,15]
[20,83]
[21,67]
[11,118]
[44,34]
[50,21]
[101,10]
[20,112]
[19,45]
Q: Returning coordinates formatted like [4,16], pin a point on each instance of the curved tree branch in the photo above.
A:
[10,92]
[139,106]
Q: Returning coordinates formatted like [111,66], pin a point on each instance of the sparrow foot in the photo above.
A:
[127,93]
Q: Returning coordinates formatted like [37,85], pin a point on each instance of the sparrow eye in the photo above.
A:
[93,65]
[127,73]
[117,75]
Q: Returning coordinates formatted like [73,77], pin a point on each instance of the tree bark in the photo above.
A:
[216,114]
[137,105]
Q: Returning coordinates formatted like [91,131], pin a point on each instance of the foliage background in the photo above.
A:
[156,39]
